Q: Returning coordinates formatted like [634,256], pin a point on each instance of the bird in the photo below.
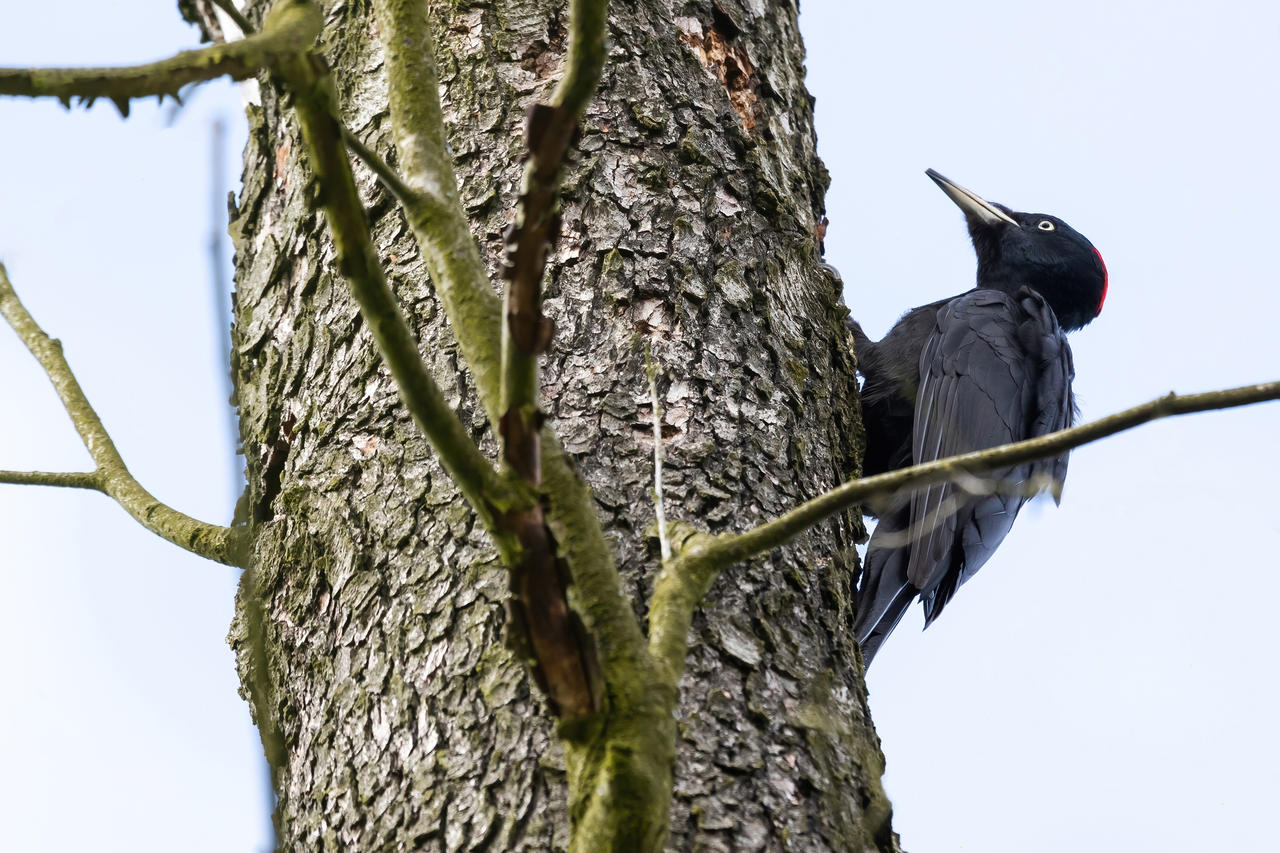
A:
[978,370]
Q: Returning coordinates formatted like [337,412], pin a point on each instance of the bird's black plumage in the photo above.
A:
[981,369]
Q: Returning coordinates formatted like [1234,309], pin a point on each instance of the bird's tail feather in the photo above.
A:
[885,594]
[884,626]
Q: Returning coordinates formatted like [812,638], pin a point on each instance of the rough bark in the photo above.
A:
[691,220]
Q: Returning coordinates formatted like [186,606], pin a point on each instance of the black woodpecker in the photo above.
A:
[978,370]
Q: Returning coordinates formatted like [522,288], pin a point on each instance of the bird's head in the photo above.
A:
[1033,249]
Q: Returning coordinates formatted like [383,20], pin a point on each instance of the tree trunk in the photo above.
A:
[691,220]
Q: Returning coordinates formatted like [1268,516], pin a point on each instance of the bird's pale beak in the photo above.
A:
[971,203]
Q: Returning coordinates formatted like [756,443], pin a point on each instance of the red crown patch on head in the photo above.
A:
[1105,280]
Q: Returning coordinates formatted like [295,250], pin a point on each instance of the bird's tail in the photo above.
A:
[885,593]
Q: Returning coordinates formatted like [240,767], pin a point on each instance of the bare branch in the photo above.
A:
[549,131]
[432,204]
[487,492]
[229,7]
[774,533]
[967,486]
[664,544]
[64,479]
[387,175]
[222,544]
[685,580]
[285,34]
[558,642]
[558,648]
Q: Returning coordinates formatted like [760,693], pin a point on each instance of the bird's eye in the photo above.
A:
[1045,225]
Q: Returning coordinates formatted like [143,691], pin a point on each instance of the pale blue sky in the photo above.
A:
[121,728]
[1104,684]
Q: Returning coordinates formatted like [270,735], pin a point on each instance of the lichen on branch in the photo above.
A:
[112,477]
[288,29]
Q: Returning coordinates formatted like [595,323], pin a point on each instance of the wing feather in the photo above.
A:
[996,368]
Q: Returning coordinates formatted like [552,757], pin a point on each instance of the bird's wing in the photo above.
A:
[1056,405]
[996,369]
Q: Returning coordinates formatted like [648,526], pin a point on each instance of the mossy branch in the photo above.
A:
[634,752]
[229,7]
[284,34]
[488,493]
[684,582]
[64,479]
[540,585]
[588,20]
[429,192]
[391,181]
[222,544]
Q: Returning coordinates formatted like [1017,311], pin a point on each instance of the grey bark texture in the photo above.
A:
[691,222]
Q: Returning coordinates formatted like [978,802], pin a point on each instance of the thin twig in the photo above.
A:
[966,487]
[433,206]
[684,582]
[664,544]
[223,544]
[549,133]
[398,188]
[235,15]
[64,479]
[488,493]
[290,29]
